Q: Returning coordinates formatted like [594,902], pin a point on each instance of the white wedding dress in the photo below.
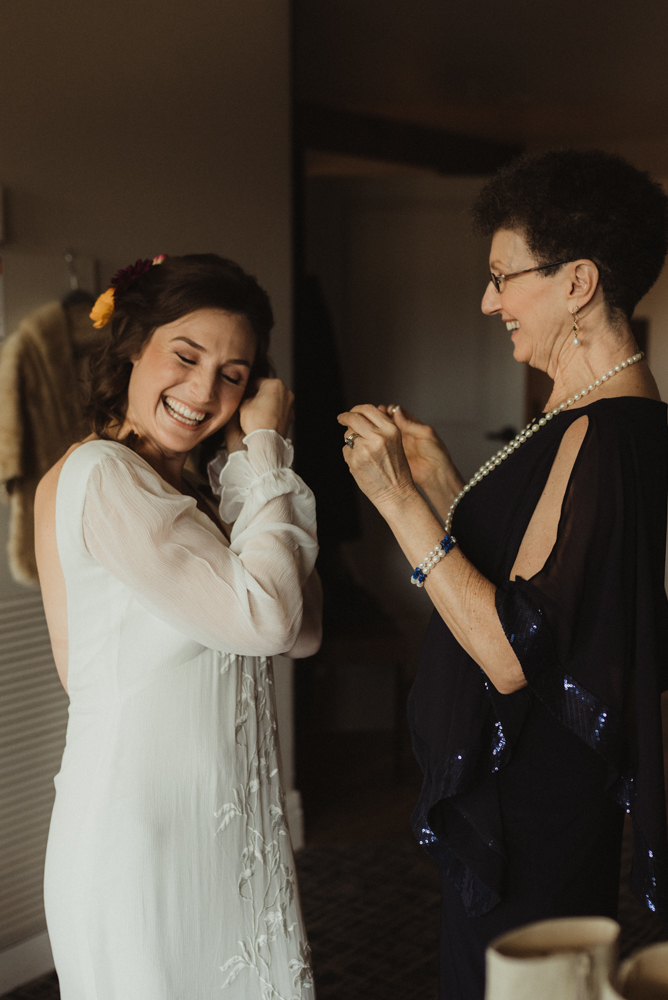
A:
[169,871]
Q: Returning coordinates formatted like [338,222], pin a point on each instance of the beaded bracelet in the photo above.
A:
[422,569]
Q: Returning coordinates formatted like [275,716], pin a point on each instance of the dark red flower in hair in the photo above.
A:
[128,275]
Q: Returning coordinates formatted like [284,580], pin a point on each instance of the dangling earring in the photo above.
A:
[576,328]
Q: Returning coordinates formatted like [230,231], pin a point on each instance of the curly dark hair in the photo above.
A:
[164,293]
[571,204]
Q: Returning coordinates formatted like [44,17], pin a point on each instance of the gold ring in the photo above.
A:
[350,440]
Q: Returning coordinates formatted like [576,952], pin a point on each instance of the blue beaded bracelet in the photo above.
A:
[421,571]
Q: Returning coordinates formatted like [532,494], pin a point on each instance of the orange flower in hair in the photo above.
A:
[103,309]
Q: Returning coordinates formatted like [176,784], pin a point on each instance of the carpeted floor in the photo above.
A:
[372,913]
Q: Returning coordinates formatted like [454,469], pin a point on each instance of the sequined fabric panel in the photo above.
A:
[583,714]
[576,707]
[461,770]
[477,897]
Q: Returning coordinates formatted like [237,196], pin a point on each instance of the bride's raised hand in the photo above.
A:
[427,456]
[270,408]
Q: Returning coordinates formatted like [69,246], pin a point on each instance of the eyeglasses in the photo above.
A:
[496,279]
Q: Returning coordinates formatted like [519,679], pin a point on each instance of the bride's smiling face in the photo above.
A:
[189,379]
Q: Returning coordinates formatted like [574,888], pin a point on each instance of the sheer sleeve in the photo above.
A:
[245,598]
[589,629]
[310,636]
[240,480]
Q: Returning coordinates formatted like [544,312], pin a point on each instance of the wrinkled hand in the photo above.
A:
[426,454]
[377,459]
[269,409]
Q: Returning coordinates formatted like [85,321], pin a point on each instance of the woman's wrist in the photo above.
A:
[413,524]
[263,430]
[401,503]
[259,425]
[442,487]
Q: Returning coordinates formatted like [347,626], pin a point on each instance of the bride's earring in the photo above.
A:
[576,328]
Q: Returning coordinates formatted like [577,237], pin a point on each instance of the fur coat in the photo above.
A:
[41,403]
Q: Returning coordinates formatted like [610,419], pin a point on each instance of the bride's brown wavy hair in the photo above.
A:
[163,294]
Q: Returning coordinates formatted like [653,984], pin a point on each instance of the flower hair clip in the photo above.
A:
[103,309]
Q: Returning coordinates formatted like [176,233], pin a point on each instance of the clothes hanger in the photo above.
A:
[77,296]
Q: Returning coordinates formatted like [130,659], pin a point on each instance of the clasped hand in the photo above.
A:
[377,459]
[392,441]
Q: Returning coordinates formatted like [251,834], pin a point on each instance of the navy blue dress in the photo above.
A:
[524,795]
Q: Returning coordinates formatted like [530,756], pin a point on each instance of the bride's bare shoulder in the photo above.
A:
[49,568]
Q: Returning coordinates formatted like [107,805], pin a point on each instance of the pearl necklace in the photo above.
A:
[531,428]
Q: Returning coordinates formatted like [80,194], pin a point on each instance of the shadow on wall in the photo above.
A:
[403,276]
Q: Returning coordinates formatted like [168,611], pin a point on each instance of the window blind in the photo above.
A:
[33,720]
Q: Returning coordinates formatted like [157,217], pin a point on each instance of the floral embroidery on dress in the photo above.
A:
[266,880]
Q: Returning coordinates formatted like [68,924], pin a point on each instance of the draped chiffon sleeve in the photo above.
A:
[589,629]
[244,597]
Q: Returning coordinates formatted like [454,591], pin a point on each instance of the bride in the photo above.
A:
[169,872]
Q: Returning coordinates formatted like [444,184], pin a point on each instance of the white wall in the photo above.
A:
[131,129]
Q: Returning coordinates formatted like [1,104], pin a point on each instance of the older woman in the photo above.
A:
[169,872]
[535,714]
